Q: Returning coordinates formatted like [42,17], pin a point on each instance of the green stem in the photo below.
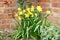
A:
[24,4]
[27,33]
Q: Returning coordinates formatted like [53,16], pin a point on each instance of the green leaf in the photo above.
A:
[36,28]
[24,24]
[36,19]
[27,33]
[38,22]
[16,36]
[31,26]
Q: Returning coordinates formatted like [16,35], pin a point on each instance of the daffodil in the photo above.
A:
[26,15]
[24,11]
[16,15]
[32,8]
[19,18]
[21,13]
[32,15]
[39,9]
[48,12]
[19,8]
[29,13]
[28,9]
[36,15]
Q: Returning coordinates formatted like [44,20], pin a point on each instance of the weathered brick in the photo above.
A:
[4,26]
[53,19]
[45,9]
[57,10]
[46,5]
[4,21]
[54,1]
[13,26]
[44,0]
[1,4]
[56,5]
[57,15]
[6,15]
[1,11]
[59,21]
[0,21]
[1,15]
[7,24]
[8,21]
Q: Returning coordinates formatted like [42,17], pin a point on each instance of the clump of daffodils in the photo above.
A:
[31,20]
[29,12]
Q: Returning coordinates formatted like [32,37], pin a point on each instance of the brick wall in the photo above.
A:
[54,6]
[7,8]
[56,10]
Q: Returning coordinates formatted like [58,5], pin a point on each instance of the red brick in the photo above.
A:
[4,26]
[44,0]
[53,19]
[55,1]
[57,10]
[0,22]
[45,9]
[13,26]
[44,5]
[4,21]
[7,21]
[10,9]
[56,4]
[28,0]
[10,15]
[1,5]
[6,15]
[1,0]
[1,15]
[57,15]
[1,11]
[6,10]
[9,3]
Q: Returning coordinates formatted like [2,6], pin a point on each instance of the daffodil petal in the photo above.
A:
[19,8]
[26,15]
[32,8]
[16,15]
[39,9]
[19,18]
[48,12]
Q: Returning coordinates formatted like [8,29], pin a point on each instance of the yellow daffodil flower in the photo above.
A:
[32,15]
[24,11]
[19,9]
[29,13]
[26,15]
[39,9]
[32,8]
[36,15]
[28,9]
[21,13]
[16,15]
[48,12]
[19,18]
